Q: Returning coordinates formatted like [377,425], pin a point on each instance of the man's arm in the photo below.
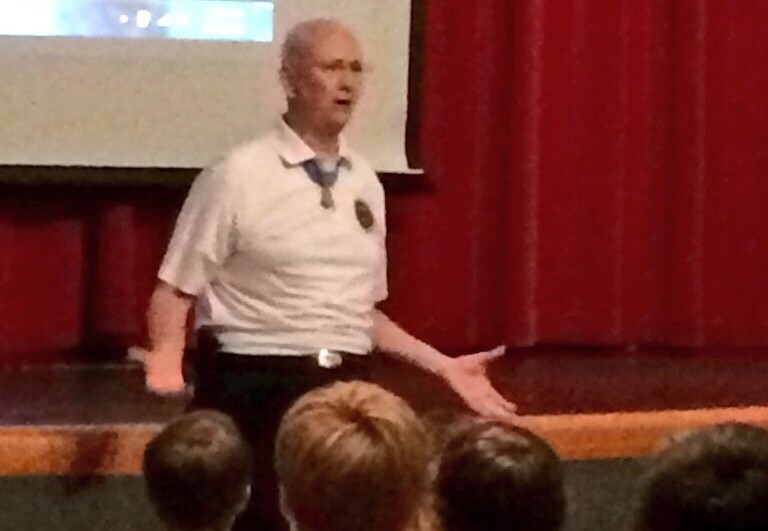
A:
[466,375]
[167,327]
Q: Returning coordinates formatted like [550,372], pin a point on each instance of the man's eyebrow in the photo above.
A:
[355,64]
[343,61]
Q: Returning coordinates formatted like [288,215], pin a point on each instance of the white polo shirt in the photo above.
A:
[273,271]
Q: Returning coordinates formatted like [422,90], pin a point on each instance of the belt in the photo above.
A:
[324,358]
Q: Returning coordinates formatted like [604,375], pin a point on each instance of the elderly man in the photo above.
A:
[280,245]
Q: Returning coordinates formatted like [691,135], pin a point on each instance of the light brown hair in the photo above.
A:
[352,457]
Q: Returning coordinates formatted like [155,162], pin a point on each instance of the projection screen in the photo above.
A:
[175,83]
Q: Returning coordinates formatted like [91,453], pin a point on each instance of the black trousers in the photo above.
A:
[256,391]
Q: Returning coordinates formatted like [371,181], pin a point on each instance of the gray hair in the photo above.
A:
[299,39]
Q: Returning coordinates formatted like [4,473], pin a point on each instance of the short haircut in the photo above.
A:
[352,457]
[299,39]
[197,471]
[712,479]
[495,476]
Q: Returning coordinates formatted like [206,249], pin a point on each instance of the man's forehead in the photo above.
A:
[334,43]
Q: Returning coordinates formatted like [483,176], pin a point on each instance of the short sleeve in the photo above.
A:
[204,234]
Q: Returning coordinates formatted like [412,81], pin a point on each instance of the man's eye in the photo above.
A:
[335,68]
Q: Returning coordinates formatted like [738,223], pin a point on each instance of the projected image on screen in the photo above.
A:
[175,83]
[231,20]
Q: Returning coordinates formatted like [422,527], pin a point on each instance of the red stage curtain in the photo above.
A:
[77,266]
[598,168]
[41,282]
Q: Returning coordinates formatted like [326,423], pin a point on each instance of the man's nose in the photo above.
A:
[347,79]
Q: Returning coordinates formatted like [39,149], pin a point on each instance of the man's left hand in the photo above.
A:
[468,376]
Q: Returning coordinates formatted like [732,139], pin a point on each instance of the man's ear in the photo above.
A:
[286,511]
[245,499]
[287,83]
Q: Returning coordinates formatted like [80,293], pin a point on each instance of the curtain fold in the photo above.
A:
[603,164]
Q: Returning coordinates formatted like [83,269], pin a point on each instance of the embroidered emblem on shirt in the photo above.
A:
[364,214]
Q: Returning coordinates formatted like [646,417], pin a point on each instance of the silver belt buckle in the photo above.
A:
[329,359]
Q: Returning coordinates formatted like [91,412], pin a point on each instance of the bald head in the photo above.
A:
[300,40]
[322,73]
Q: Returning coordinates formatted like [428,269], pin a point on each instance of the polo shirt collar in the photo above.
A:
[294,151]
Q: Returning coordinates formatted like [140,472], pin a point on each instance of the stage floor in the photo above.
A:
[96,418]
[61,395]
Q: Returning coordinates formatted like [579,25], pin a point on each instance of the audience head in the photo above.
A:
[495,476]
[198,472]
[352,457]
[712,479]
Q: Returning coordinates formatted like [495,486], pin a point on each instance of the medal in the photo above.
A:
[326,198]
[325,177]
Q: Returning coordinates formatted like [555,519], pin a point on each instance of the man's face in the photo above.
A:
[329,80]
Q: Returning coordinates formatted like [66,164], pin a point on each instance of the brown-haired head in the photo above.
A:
[352,457]
[496,477]
[197,471]
[711,479]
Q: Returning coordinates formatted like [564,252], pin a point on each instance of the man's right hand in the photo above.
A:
[162,370]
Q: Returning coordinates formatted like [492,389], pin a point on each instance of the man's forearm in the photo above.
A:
[167,320]
[391,339]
